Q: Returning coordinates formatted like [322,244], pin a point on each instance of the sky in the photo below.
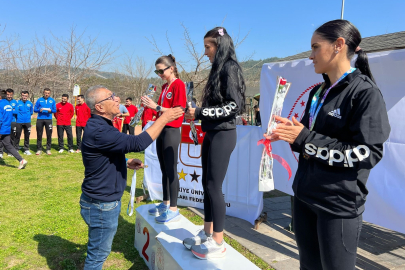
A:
[274,28]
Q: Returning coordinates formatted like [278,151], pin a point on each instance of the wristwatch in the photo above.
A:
[158,108]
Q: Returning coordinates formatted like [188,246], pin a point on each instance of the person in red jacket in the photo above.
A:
[132,110]
[83,113]
[167,144]
[63,115]
[147,116]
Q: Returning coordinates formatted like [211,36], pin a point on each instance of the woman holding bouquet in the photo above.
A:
[340,139]
[167,144]
[223,98]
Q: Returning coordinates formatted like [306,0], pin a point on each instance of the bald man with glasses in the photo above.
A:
[105,174]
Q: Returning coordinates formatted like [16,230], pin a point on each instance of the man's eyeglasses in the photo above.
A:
[112,97]
[161,71]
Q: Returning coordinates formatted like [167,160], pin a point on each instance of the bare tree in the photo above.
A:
[33,66]
[196,67]
[80,56]
[133,75]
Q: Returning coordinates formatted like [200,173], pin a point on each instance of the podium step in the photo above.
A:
[161,246]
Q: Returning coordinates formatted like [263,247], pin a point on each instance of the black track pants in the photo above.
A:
[217,148]
[41,123]
[325,241]
[79,133]
[8,145]
[13,135]
[68,130]
[167,148]
[126,128]
[27,131]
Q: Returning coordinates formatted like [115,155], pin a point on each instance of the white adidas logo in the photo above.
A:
[335,113]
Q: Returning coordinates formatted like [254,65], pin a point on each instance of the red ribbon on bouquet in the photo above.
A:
[267,146]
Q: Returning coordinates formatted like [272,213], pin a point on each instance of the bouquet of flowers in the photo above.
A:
[266,181]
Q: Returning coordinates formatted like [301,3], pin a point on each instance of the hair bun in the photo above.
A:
[172,57]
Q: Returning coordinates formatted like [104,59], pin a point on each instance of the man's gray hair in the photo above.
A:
[92,96]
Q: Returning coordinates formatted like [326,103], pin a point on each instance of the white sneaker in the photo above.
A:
[200,238]
[78,151]
[48,152]
[71,151]
[209,249]
[38,153]
[61,151]
[28,153]
[23,163]
[1,155]
[10,155]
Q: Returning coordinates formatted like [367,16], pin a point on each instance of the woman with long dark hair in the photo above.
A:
[340,139]
[167,144]
[223,98]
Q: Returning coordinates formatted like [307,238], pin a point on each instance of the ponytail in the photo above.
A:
[362,64]
[175,71]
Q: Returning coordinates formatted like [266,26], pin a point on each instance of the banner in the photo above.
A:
[240,187]
[386,185]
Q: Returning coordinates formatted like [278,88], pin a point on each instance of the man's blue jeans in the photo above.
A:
[102,220]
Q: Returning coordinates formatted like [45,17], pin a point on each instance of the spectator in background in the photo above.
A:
[24,110]
[63,115]
[45,106]
[83,113]
[147,116]
[123,110]
[119,118]
[132,110]
[2,96]
[13,133]
[258,120]
[6,116]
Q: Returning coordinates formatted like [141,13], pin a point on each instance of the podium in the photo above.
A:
[161,246]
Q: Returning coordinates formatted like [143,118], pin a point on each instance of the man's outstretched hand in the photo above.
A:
[172,114]
[134,164]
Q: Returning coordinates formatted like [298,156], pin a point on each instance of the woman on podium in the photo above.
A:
[167,144]
[340,139]
[223,98]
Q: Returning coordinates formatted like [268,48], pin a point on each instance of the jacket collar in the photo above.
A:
[346,80]
[101,118]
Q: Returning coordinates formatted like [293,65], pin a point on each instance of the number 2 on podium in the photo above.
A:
[145,230]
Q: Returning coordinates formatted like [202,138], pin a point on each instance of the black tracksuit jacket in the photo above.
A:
[345,144]
[222,115]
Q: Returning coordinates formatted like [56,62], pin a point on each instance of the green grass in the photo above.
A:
[40,222]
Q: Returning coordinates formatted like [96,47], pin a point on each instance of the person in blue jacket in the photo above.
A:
[45,107]
[2,96]
[13,121]
[24,110]
[6,116]
[13,103]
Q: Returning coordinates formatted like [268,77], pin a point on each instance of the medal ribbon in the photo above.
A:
[315,108]
[166,90]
